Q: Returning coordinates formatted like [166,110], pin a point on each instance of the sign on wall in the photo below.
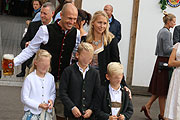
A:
[173,3]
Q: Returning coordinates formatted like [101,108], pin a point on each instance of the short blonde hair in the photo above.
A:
[114,68]
[85,46]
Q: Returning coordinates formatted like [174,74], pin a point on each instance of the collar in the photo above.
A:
[80,69]
[65,31]
[35,11]
[49,22]
[110,20]
[112,89]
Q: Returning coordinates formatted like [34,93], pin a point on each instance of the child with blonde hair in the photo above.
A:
[38,91]
[78,85]
[113,102]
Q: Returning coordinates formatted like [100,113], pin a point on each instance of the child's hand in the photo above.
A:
[50,104]
[121,117]
[113,117]
[76,112]
[87,113]
[128,90]
[44,106]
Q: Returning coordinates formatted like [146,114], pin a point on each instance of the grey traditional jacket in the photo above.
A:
[164,43]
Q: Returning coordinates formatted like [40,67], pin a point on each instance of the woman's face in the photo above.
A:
[172,23]
[36,5]
[100,24]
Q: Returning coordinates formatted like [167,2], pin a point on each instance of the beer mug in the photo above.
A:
[8,65]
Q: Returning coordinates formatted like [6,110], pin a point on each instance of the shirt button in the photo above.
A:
[61,56]
[83,98]
[83,105]
[43,95]
[63,44]
[42,87]
[84,91]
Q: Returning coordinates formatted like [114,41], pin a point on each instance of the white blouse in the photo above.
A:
[37,90]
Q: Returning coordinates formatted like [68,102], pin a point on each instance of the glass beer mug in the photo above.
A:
[7,64]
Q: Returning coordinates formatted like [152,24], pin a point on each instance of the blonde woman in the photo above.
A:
[160,78]
[38,91]
[104,43]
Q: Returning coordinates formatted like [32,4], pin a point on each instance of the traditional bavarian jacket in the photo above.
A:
[76,91]
[60,45]
[103,105]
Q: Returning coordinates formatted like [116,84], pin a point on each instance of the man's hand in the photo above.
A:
[26,44]
[121,117]
[128,90]
[113,117]
[76,112]
[87,113]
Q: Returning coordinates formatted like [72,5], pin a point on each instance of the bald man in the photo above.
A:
[115,26]
[61,40]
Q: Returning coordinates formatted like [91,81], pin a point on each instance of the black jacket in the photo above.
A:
[115,28]
[176,34]
[76,91]
[102,105]
[31,32]
[109,54]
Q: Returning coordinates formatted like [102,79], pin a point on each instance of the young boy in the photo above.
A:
[78,85]
[113,102]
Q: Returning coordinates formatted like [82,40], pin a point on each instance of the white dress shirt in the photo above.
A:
[81,70]
[37,90]
[42,36]
[115,97]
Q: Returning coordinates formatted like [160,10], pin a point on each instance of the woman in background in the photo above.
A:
[160,78]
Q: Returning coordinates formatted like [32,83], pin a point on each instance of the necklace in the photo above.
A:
[96,43]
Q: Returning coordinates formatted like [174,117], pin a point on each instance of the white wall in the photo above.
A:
[149,23]
[123,13]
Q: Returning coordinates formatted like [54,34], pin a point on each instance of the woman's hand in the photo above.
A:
[128,90]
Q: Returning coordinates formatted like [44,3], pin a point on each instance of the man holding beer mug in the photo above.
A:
[47,12]
[60,39]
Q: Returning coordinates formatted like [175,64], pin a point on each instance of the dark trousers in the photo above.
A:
[60,118]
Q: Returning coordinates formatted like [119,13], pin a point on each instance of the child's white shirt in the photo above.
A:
[37,90]
[116,96]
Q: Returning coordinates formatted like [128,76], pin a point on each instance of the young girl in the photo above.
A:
[38,91]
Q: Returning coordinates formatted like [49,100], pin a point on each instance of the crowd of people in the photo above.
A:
[79,72]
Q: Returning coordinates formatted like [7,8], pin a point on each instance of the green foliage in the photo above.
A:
[163,4]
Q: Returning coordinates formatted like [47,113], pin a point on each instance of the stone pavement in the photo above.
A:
[12,108]
[11,30]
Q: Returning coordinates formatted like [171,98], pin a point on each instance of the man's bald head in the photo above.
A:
[69,15]
[109,10]
[69,7]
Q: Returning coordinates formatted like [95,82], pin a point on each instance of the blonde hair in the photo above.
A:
[114,68]
[40,53]
[85,46]
[168,17]
[107,36]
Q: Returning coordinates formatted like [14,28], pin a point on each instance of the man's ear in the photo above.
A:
[53,12]
[107,76]
[77,55]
